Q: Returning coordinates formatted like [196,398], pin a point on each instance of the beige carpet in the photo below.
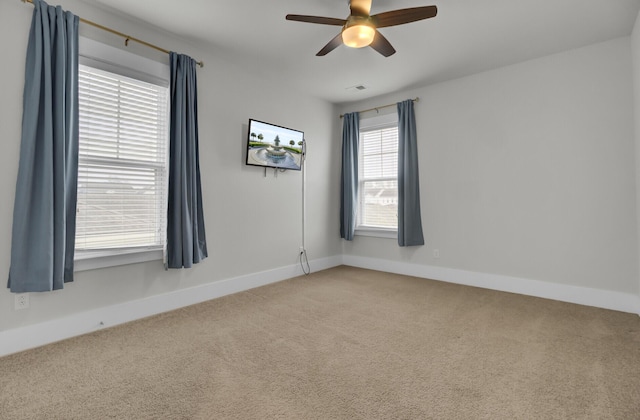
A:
[344,343]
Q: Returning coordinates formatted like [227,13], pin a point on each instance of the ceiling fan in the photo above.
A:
[360,29]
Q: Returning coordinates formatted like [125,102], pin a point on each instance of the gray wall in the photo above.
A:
[528,171]
[635,53]
[253,223]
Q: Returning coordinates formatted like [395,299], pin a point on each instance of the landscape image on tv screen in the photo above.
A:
[273,146]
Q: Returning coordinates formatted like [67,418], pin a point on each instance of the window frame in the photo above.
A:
[107,58]
[377,122]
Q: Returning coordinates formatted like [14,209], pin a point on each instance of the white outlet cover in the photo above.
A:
[21,301]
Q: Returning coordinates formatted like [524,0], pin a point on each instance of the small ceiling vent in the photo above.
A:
[355,88]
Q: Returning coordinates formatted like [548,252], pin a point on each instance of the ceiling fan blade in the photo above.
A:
[317,19]
[401,16]
[381,45]
[360,7]
[332,45]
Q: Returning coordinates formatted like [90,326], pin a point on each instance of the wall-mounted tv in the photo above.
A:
[273,146]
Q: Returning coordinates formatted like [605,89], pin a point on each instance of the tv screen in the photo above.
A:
[273,146]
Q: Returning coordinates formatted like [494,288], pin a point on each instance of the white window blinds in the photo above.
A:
[122,166]
[378,178]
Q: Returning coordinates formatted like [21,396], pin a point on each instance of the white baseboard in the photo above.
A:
[617,301]
[31,336]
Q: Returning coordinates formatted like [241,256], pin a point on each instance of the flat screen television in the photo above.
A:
[274,146]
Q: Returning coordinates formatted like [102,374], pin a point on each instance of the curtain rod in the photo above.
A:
[380,107]
[126,37]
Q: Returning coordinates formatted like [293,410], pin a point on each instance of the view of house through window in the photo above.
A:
[378,177]
[122,167]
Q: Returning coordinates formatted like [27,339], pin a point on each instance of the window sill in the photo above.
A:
[91,260]
[377,232]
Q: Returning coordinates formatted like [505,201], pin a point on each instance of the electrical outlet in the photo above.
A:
[436,253]
[21,301]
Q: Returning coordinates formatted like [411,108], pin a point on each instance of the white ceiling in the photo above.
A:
[466,37]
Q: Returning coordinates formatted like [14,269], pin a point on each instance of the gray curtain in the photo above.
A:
[409,220]
[349,175]
[186,240]
[44,212]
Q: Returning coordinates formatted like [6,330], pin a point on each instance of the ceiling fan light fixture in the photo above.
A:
[360,29]
[358,36]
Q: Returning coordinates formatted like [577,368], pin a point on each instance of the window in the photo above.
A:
[122,164]
[378,176]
